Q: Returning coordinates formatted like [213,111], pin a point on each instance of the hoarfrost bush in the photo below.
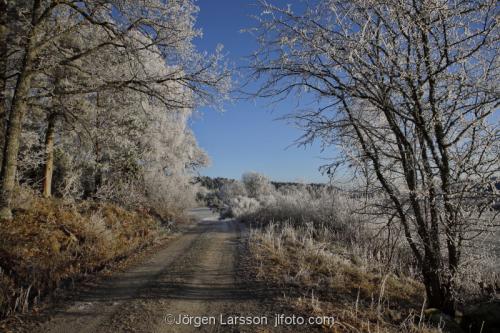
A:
[302,204]
[248,196]
[241,205]
[257,185]
[331,216]
[169,196]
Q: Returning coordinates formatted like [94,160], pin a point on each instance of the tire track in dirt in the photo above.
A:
[195,275]
[95,308]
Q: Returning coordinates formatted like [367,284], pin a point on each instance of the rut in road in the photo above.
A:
[194,275]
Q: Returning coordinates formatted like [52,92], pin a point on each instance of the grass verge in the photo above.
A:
[50,244]
[324,279]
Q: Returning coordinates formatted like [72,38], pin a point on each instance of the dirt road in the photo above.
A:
[192,280]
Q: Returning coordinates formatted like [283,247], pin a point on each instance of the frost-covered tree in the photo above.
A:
[71,56]
[408,90]
[133,148]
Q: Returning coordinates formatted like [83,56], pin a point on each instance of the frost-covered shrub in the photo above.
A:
[248,196]
[302,204]
[170,196]
[240,206]
[257,185]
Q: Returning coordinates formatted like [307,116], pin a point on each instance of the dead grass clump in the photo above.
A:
[359,295]
[51,242]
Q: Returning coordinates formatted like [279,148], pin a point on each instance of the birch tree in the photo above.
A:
[409,92]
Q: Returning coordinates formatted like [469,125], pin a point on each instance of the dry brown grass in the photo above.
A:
[51,242]
[330,280]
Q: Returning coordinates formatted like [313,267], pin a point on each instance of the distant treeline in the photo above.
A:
[217,183]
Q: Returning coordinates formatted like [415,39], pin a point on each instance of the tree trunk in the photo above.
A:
[438,289]
[3,68]
[11,146]
[98,171]
[49,156]
[18,109]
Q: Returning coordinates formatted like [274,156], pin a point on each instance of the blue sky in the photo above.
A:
[247,136]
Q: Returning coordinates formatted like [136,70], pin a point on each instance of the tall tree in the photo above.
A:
[18,109]
[408,90]
[120,29]
[3,65]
